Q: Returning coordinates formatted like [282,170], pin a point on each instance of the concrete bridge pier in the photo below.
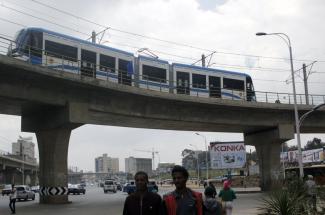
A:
[53,128]
[268,148]
[53,171]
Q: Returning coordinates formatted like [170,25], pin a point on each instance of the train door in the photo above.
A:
[88,63]
[183,83]
[123,75]
[214,87]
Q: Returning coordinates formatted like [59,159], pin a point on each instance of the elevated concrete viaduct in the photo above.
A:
[52,103]
[11,170]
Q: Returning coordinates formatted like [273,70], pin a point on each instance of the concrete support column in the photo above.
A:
[53,171]
[269,164]
[52,126]
[268,148]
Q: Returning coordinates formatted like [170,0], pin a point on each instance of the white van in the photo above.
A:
[110,185]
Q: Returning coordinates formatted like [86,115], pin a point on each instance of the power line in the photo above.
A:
[39,12]
[231,66]
[161,40]
[15,23]
[44,20]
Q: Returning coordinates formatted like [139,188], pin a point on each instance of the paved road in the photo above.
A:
[96,202]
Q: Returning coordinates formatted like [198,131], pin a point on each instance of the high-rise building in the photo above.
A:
[24,148]
[106,164]
[133,165]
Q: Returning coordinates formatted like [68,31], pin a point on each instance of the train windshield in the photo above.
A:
[28,42]
[250,89]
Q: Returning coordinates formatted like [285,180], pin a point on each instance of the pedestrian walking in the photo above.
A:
[12,198]
[214,189]
[142,202]
[210,205]
[227,196]
[182,201]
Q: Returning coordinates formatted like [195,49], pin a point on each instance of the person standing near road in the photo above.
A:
[142,202]
[182,201]
[13,197]
[214,189]
[210,205]
[227,196]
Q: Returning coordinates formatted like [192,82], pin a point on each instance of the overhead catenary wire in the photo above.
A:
[255,79]
[229,66]
[162,40]
[36,11]
[44,20]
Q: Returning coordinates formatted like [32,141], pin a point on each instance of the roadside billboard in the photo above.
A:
[308,156]
[227,155]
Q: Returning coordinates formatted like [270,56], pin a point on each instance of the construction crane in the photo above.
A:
[153,152]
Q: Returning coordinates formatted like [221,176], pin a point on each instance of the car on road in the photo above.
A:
[152,187]
[35,189]
[24,193]
[110,186]
[119,186]
[76,189]
[6,189]
[129,187]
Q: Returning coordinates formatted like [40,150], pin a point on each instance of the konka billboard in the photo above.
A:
[227,155]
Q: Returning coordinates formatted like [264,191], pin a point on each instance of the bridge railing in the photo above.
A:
[89,69]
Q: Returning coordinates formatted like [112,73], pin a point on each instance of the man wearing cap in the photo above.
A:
[227,196]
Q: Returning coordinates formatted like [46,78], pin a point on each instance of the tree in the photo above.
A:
[316,143]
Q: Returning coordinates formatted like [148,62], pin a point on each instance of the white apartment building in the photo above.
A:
[105,164]
[133,165]
[25,148]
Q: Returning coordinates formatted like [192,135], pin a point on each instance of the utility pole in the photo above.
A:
[93,37]
[203,60]
[305,83]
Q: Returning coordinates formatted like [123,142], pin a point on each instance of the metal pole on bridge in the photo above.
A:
[286,39]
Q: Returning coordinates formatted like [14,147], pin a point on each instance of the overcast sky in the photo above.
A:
[202,26]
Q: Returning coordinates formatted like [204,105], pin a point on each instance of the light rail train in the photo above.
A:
[58,51]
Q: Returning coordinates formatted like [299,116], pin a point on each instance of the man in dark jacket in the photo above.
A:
[142,202]
[182,201]
[210,205]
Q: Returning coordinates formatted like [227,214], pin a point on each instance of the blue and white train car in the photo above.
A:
[215,83]
[70,54]
[153,74]
[88,59]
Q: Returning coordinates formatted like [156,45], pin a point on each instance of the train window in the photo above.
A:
[233,84]
[152,73]
[199,81]
[88,63]
[61,51]
[107,63]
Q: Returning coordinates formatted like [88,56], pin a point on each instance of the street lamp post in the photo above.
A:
[286,39]
[206,154]
[197,164]
[303,117]
[23,169]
